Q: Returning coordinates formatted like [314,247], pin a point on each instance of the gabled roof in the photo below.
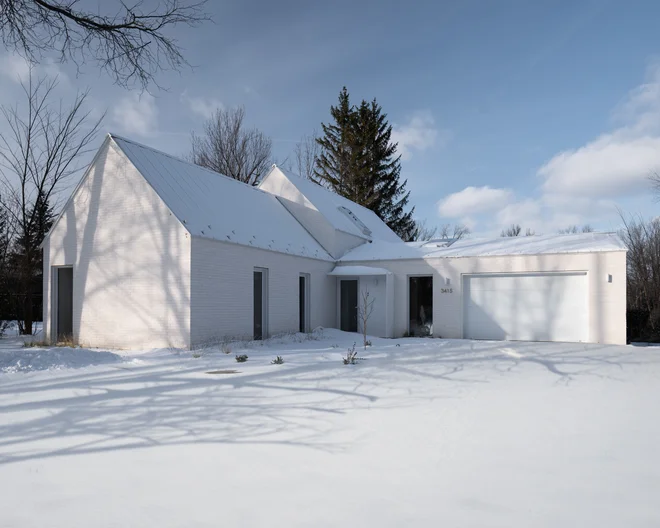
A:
[334,208]
[214,206]
[487,247]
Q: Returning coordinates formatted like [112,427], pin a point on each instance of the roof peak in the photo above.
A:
[177,158]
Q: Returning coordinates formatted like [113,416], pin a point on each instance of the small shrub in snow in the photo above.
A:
[226,348]
[197,355]
[36,344]
[367,343]
[66,341]
[242,358]
[351,357]
[278,360]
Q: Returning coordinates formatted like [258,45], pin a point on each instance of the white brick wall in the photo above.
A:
[130,258]
[607,301]
[222,290]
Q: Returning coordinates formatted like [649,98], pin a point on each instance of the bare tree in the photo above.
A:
[365,309]
[655,184]
[453,232]
[227,147]
[131,44]
[643,276]
[423,231]
[39,154]
[574,229]
[512,231]
[515,230]
[6,235]
[306,152]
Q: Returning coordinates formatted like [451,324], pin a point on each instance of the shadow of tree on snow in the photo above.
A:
[171,402]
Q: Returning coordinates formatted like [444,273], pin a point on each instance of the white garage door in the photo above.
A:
[526,306]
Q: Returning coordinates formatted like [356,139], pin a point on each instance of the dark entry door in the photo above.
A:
[301,303]
[349,302]
[258,305]
[64,303]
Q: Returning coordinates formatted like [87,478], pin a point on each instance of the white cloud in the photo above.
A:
[526,212]
[607,166]
[202,106]
[585,185]
[17,69]
[488,211]
[136,114]
[618,162]
[14,67]
[473,200]
[420,133]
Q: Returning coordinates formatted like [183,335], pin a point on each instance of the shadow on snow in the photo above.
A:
[172,402]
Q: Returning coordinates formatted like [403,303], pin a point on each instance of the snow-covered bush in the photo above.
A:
[242,358]
[278,360]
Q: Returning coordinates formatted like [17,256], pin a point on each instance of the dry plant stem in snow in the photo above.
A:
[365,309]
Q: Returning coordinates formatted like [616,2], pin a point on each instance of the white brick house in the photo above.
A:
[152,251]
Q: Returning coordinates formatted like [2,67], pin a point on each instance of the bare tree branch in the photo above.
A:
[452,232]
[365,309]
[643,271]
[512,231]
[39,154]
[574,229]
[306,152]
[131,45]
[655,184]
[227,147]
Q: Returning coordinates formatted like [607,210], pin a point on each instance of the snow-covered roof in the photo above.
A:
[214,206]
[338,210]
[358,271]
[487,247]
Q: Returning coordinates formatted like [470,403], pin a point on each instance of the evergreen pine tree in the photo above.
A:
[28,259]
[333,167]
[359,161]
[379,171]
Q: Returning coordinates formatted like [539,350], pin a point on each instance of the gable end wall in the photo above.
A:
[130,258]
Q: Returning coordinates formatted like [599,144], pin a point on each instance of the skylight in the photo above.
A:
[355,220]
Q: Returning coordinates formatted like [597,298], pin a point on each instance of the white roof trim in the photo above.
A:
[493,247]
[358,271]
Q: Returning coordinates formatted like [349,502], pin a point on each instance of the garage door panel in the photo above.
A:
[535,307]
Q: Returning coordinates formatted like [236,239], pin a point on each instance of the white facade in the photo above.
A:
[222,301]
[605,301]
[164,253]
[130,258]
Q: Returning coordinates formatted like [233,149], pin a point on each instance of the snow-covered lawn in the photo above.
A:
[424,432]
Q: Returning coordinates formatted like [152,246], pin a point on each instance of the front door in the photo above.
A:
[260,303]
[348,302]
[302,304]
[64,304]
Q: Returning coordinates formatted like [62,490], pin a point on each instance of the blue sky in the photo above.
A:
[541,113]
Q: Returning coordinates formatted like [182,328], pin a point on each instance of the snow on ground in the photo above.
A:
[24,360]
[423,432]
